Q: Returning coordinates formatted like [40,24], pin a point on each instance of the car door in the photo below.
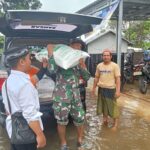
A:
[21,24]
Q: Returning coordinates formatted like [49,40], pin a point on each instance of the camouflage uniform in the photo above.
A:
[66,93]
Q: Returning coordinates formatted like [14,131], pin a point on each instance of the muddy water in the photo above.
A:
[4,141]
[133,132]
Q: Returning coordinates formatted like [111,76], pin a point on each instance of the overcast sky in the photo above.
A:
[67,6]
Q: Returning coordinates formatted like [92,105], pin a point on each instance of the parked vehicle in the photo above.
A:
[3,76]
[132,71]
[128,67]
[144,80]
[37,29]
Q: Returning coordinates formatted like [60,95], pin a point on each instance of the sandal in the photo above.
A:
[64,147]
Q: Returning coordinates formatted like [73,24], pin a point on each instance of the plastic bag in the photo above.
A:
[67,57]
[45,87]
[42,54]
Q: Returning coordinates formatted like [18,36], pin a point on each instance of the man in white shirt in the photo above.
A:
[23,97]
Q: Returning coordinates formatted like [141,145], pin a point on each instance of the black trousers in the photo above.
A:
[32,146]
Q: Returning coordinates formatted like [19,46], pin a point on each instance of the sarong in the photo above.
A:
[106,103]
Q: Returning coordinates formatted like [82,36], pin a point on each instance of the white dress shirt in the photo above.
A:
[23,98]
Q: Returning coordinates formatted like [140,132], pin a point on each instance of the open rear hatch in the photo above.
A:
[45,24]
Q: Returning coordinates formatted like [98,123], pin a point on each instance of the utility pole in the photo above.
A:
[119,32]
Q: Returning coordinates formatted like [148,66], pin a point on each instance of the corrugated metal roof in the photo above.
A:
[132,9]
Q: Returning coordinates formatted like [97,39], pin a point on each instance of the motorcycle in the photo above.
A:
[128,67]
[144,80]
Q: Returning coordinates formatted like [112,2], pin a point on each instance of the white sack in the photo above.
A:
[66,57]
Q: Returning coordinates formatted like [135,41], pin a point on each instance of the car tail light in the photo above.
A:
[3,77]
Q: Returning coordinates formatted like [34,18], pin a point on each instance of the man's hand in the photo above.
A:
[93,95]
[50,48]
[117,94]
[44,62]
[41,140]
[40,137]
[82,63]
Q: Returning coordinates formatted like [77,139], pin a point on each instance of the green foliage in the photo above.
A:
[16,4]
[139,34]
[1,44]
[19,4]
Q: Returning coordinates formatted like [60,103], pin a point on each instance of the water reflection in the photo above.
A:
[133,132]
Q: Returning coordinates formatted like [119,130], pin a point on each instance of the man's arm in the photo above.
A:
[83,70]
[117,79]
[52,65]
[39,75]
[40,137]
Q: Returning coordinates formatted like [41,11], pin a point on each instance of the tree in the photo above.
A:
[19,4]
[139,33]
[16,4]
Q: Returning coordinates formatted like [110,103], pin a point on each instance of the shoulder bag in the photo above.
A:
[21,132]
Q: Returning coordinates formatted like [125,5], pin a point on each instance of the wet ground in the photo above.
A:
[133,132]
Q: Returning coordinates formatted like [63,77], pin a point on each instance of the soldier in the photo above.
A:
[80,45]
[67,98]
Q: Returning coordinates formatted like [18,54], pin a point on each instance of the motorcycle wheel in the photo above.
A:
[128,74]
[142,85]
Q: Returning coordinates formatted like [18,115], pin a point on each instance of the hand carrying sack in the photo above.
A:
[21,132]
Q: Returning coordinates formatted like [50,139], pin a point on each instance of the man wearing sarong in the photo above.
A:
[107,78]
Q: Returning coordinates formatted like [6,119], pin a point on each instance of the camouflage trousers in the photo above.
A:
[74,108]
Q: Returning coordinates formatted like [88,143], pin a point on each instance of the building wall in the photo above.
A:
[103,42]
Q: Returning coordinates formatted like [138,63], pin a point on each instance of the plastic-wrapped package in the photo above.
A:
[45,87]
[67,57]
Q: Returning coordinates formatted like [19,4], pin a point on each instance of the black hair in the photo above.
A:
[77,40]
[13,55]
[13,63]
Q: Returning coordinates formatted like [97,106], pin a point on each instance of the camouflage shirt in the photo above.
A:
[67,81]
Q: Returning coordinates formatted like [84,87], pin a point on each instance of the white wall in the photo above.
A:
[103,42]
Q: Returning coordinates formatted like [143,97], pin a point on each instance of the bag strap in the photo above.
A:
[9,106]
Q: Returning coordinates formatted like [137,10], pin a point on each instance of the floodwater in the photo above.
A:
[133,132]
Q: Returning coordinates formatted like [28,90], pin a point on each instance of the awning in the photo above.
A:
[132,9]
